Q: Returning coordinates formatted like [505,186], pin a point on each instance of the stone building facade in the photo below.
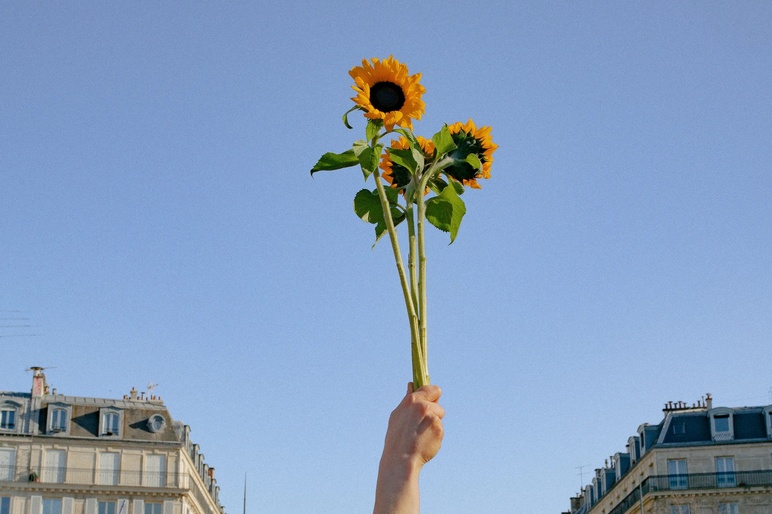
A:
[76,455]
[699,459]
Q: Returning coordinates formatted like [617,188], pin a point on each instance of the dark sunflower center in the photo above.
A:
[387,96]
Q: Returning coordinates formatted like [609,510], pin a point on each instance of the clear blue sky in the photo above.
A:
[158,224]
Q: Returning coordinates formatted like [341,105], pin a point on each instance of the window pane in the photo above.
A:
[5,505]
[52,506]
[109,465]
[53,472]
[728,508]
[59,419]
[155,471]
[106,508]
[676,469]
[721,423]
[154,508]
[8,419]
[725,472]
[7,464]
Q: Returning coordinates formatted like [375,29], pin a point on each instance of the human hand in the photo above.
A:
[413,438]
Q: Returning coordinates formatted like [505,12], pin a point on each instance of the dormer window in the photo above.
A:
[722,424]
[8,419]
[110,422]
[58,418]
[9,416]
[156,423]
[768,420]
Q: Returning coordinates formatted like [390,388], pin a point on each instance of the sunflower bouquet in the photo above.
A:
[417,180]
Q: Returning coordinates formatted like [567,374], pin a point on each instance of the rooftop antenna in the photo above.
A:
[581,475]
[245,493]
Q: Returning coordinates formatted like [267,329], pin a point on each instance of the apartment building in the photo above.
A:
[699,459]
[64,454]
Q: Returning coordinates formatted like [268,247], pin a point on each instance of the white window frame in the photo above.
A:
[115,430]
[725,472]
[153,477]
[678,478]
[721,413]
[58,426]
[110,475]
[12,410]
[8,472]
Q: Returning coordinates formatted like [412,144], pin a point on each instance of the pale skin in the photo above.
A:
[413,438]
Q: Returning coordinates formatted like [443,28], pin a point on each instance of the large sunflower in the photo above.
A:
[470,140]
[395,174]
[386,92]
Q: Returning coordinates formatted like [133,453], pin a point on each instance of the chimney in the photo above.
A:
[709,401]
[38,382]
[133,393]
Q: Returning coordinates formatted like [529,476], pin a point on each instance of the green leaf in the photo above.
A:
[373,128]
[458,186]
[335,161]
[446,211]
[437,184]
[367,205]
[474,161]
[418,155]
[368,159]
[345,116]
[404,158]
[443,141]
[408,135]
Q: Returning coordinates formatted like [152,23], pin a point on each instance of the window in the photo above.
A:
[105,508]
[110,422]
[768,420]
[676,470]
[679,428]
[156,423]
[728,508]
[680,509]
[109,466]
[53,471]
[7,418]
[725,472]
[155,471]
[57,420]
[722,424]
[7,464]
[52,506]
[154,508]
[5,505]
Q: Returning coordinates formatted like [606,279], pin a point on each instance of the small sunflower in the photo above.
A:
[470,140]
[395,174]
[386,92]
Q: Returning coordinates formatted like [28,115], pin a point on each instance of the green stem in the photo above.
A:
[422,302]
[419,359]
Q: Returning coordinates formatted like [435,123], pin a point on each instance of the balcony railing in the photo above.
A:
[62,475]
[659,483]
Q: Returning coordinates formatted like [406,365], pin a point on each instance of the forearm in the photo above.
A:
[397,489]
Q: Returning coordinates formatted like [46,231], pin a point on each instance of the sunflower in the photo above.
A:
[395,174]
[470,140]
[386,92]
